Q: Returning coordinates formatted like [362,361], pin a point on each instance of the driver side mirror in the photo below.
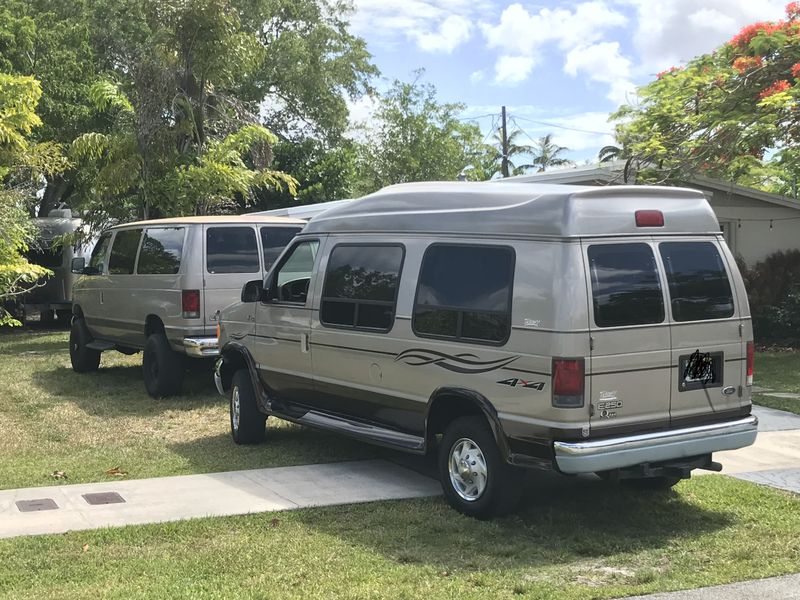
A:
[78,265]
[252,291]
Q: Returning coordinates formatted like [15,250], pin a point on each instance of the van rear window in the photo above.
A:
[699,288]
[232,250]
[625,285]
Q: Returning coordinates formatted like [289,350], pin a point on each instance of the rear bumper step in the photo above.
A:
[201,347]
[619,452]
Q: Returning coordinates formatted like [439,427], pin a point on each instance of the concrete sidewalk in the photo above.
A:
[58,509]
[773,588]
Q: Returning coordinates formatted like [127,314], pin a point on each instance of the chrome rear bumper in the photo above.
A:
[615,453]
[201,347]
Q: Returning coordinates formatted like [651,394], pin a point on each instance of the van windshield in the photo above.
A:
[625,285]
[699,288]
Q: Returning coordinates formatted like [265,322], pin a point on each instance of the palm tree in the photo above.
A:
[609,153]
[546,154]
[515,149]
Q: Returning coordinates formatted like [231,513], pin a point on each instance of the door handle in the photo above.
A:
[304,344]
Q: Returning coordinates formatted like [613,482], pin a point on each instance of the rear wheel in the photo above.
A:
[248,424]
[475,478]
[83,359]
[162,367]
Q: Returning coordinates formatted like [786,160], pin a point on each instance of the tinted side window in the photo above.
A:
[698,284]
[161,251]
[465,292]
[99,251]
[361,285]
[625,285]
[231,250]
[273,241]
[123,252]
[293,277]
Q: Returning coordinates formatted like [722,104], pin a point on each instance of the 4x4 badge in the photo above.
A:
[514,382]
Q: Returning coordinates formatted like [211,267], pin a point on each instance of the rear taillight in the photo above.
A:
[649,218]
[568,382]
[751,359]
[190,303]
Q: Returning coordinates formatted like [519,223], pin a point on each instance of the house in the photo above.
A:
[755,223]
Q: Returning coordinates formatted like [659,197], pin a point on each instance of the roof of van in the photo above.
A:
[519,209]
[215,220]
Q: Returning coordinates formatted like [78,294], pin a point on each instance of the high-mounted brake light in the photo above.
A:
[190,304]
[649,218]
[568,382]
[751,359]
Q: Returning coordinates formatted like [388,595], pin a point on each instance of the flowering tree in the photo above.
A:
[723,113]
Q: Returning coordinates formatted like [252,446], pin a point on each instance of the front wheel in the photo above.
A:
[83,359]
[248,424]
[162,367]
[475,478]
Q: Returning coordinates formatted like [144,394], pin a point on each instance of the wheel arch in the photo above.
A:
[153,324]
[234,357]
[448,403]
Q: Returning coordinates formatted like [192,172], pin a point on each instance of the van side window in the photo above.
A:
[292,278]
[161,251]
[273,241]
[361,286]
[465,293]
[699,288]
[99,252]
[625,285]
[232,250]
[123,252]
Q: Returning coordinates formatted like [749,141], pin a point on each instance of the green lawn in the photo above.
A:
[778,371]
[53,419]
[575,539]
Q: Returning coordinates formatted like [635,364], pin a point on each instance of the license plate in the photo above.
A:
[700,370]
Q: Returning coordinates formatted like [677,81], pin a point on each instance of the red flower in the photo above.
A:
[745,63]
[793,10]
[667,72]
[796,70]
[779,86]
[746,35]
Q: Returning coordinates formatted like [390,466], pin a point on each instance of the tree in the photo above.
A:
[19,163]
[546,154]
[723,112]
[516,151]
[415,138]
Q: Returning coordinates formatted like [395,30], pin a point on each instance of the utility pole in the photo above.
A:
[504,165]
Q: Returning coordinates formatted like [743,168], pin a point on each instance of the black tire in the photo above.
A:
[47,317]
[63,316]
[652,484]
[162,367]
[249,426]
[502,488]
[83,359]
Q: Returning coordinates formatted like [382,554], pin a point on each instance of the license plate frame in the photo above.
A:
[707,374]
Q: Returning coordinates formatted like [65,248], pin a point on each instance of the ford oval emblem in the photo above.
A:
[729,390]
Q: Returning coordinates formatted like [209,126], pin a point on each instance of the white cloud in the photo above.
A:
[671,32]
[513,69]
[453,31]
[520,33]
[604,63]
[477,76]
[434,25]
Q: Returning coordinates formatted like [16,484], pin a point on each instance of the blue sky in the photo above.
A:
[566,64]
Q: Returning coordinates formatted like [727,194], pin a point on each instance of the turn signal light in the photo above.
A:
[751,359]
[649,218]
[568,382]
[190,303]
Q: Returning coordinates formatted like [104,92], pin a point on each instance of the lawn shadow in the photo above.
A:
[576,520]
[118,391]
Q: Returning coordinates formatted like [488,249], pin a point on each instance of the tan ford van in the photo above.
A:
[586,330]
[157,285]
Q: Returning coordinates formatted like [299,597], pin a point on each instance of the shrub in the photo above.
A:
[773,289]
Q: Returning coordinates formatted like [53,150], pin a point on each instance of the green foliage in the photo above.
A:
[773,290]
[722,112]
[415,138]
[546,154]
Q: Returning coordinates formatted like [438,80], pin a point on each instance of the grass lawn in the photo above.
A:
[53,419]
[575,539]
[778,371]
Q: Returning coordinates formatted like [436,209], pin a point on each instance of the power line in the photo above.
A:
[564,127]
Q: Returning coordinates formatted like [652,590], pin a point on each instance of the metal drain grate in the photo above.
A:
[103,498]
[36,505]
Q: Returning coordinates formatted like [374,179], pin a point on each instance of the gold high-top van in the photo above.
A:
[582,329]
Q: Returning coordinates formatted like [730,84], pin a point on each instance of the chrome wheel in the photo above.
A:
[236,408]
[467,467]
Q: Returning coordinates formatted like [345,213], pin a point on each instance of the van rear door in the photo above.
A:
[630,356]
[708,353]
